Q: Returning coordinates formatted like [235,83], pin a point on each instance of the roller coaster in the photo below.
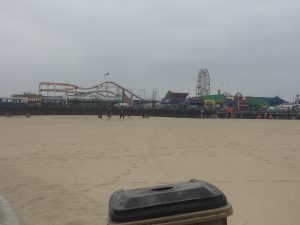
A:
[107,90]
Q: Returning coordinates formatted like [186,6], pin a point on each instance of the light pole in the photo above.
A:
[82,101]
[238,95]
[297,103]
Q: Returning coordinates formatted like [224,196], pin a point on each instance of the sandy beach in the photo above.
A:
[61,170]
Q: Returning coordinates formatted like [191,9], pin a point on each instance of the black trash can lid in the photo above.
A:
[152,202]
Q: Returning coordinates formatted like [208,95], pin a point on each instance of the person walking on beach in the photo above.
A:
[122,115]
[108,113]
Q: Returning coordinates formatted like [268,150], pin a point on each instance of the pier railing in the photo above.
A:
[221,114]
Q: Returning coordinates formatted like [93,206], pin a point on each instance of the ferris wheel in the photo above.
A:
[203,83]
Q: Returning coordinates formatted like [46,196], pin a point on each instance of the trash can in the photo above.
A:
[194,202]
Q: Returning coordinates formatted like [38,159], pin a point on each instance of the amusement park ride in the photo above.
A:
[203,83]
[107,90]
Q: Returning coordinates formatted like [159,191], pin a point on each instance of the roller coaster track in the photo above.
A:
[71,88]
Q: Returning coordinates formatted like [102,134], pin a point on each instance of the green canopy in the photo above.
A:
[256,102]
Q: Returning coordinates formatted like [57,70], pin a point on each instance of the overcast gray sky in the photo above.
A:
[251,46]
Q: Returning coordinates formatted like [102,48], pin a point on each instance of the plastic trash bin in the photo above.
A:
[189,203]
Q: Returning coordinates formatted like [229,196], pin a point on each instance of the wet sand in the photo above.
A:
[61,170]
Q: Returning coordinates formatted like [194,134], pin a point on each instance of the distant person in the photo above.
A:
[108,113]
[229,112]
[122,115]
[228,115]
[289,113]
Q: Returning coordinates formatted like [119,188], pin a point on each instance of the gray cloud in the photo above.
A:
[249,46]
